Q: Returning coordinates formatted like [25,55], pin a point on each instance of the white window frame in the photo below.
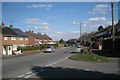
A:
[14,47]
[5,38]
[13,38]
[21,38]
[26,39]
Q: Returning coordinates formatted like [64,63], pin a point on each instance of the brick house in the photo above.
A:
[35,39]
[11,39]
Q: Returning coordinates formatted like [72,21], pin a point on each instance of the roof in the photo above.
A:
[19,32]
[116,26]
[40,36]
[103,30]
[8,31]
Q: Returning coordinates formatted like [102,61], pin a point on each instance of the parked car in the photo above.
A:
[78,49]
[49,49]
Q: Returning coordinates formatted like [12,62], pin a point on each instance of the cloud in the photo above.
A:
[32,21]
[110,22]
[71,10]
[100,8]
[46,6]
[97,19]
[52,17]
[59,32]
[84,24]
[36,23]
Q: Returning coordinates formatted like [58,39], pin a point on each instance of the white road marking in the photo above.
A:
[29,72]
[21,75]
[57,61]
[35,71]
[27,76]
[87,69]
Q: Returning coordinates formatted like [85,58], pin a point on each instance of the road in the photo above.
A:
[56,64]
[16,66]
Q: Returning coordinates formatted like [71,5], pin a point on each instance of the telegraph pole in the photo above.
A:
[113,28]
[80,33]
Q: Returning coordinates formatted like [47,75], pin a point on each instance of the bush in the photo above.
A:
[37,47]
[108,44]
[27,48]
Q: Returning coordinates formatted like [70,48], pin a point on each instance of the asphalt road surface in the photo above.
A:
[56,65]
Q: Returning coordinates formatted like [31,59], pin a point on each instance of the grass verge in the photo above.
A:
[88,57]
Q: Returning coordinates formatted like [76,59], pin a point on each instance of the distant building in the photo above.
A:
[36,39]
[71,41]
[11,39]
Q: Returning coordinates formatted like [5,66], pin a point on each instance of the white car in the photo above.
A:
[78,49]
[49,49]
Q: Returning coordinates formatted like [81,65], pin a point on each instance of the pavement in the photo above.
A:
[57,65]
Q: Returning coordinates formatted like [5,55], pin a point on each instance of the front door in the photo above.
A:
[4,50]
[9,50]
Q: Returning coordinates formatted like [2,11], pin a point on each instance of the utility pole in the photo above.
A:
[80,32]
[113,28]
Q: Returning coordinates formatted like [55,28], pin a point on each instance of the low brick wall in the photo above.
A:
[30,51]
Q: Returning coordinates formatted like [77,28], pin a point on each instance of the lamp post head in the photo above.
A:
[76,22]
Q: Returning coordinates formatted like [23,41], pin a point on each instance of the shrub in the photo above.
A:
[37,47]
[27,48]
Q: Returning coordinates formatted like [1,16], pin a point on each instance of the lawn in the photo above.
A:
[88,57]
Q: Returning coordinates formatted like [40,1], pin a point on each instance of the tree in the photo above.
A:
[61,41]
[100,28]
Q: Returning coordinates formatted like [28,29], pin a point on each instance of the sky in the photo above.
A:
[56,19]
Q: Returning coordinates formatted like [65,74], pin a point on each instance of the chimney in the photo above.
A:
[39,33]
[11,26]
[2,24]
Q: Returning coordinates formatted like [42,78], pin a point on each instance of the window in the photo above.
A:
[118,29]
[21,38]
[9,48]
[26,39]
[14,47]
[13,38]
[5,38]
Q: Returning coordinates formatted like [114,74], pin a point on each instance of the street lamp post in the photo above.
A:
[78,22]
[80,32]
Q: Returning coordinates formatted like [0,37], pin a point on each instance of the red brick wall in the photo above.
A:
[12,42]
[30,51]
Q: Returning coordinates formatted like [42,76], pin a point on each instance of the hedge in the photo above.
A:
[107,45]
[37,47]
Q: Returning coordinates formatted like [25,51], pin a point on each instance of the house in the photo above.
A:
[106,33]
[22,39]
[106,37]
[36,39]
[71,41]
[11,39]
